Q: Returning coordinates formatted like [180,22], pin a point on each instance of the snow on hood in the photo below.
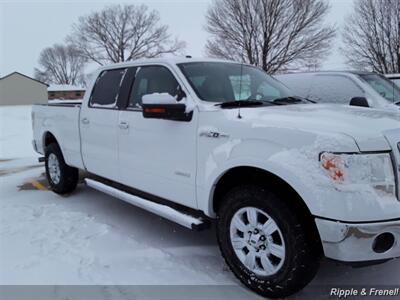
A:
[365,125]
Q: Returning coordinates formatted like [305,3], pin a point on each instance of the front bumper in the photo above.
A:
[359,242]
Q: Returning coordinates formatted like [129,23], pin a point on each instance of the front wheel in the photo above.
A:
[61,177]
[264,243]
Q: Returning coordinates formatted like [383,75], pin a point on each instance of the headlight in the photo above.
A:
[375,170]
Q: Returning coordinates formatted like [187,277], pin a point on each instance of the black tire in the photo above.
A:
[302,257]
[69,176]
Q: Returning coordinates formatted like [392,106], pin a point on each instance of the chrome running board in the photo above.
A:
[164,211]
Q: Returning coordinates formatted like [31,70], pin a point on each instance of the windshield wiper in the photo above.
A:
[249,103]
[240,103]
[290,100]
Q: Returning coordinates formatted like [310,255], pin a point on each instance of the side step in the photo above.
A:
[164,211]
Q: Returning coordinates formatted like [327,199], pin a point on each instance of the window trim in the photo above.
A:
[123,102]
[116,106]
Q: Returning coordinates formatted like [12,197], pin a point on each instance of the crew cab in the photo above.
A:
[196,141]
[358,88]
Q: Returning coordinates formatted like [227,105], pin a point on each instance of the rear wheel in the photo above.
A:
[61,177]
[264,243]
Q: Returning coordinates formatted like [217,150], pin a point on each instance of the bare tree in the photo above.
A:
[275,35]
[61,64]
[372,36]
[122,33]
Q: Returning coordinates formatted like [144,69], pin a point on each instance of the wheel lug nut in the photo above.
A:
[262,238]
[255,231]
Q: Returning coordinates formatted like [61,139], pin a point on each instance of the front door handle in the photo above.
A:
[123,125]
[85,121]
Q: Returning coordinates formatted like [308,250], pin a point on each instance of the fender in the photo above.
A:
[67,138]
[278,170]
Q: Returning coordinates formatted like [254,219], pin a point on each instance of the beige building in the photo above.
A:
[19,89]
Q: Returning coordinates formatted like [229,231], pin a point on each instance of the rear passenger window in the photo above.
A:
[106,89]
[150,80]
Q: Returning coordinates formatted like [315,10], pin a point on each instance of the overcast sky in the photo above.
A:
[26,27]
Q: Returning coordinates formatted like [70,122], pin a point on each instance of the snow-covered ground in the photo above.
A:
[91,238]
[16,132]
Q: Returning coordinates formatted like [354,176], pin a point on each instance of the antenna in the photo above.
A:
[240,89]
[393,90]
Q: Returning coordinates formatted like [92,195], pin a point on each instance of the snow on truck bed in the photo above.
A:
[62,101]
[91,238]
[65,88]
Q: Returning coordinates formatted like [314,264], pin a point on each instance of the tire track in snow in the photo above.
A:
[50,234]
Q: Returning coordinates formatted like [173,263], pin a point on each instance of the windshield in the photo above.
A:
[225,82]
[383,86]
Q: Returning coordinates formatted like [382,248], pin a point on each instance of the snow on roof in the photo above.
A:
[328,72]
[163,60]
[393,75]
[64,88]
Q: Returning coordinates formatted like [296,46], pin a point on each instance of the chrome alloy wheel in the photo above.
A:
[257,241]
[54,168]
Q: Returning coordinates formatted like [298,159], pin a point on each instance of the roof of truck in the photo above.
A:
[167,60]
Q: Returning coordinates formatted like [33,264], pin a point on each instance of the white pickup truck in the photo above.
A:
[197,140]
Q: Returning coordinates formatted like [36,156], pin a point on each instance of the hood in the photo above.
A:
[366,126]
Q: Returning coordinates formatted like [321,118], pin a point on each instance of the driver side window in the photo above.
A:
[150,80]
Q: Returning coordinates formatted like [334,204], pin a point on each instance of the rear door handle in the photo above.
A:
[85,121]
[123,125]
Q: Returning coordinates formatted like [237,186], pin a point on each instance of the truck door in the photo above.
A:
[157,156]
[99,125]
